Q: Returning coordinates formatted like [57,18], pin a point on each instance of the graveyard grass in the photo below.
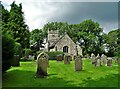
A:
[61,75]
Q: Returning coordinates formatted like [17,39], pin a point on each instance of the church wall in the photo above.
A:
[66,41]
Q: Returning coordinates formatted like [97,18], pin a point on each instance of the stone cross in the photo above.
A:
[42,64]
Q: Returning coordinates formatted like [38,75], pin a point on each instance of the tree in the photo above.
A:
[17,25]
[90,37]
[5,17]
[112,42]
[36,38]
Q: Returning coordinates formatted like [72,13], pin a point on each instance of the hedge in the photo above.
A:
[52,55]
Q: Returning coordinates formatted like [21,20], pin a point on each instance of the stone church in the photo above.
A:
[62,43]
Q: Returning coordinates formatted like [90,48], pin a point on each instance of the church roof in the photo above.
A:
[52,43]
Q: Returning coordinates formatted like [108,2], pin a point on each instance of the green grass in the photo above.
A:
[61,75]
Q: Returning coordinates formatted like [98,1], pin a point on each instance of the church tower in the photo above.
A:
[53,35]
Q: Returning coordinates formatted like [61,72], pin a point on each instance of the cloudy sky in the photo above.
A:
[38,13]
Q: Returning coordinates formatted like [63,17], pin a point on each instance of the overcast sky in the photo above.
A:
[38,13]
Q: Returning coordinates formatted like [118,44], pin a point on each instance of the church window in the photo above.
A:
[65,49]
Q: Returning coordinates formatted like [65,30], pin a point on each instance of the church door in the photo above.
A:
[65,49]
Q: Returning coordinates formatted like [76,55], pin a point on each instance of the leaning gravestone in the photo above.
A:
[66,59]
[93,58]
[109,61]
[78,63]
[42,64]
[104,60]
[98,61]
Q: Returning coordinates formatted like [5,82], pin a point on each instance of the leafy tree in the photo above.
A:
[90,37]
[112,42]
[36,38]
[17,25]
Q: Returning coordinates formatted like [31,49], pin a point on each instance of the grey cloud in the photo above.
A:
[75,12]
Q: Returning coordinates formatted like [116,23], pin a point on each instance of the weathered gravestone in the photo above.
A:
[93,58]
[104,59]
[98,61]
[109,61]
[59,57]
[78,63]
[66,59]
[42,64]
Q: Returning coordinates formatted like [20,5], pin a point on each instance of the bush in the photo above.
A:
[52,55]
[8,44]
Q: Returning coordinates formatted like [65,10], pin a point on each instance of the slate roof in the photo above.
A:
[52,43]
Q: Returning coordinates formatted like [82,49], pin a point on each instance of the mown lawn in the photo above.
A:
[61,75]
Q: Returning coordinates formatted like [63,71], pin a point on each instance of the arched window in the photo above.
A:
[65,49]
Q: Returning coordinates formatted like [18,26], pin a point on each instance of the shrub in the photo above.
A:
[8,44]
[52,55]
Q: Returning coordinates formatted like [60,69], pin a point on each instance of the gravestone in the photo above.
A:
[104,60]
[98,61]
[70,57]
[109,61]
[93,58]
[78,63]
[42,64]
[66,59]
[59,57]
